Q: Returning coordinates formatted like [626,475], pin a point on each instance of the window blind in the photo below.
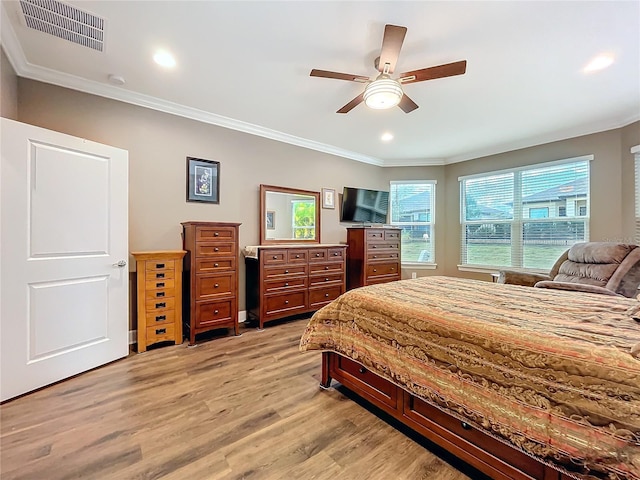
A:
[412,208]
[526,217]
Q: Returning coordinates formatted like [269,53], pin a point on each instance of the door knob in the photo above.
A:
[121,263]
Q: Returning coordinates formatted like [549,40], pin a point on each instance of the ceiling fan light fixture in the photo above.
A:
[383,93]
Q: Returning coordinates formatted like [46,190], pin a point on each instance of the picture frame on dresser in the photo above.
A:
[203,180]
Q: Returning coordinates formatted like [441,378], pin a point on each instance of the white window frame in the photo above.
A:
[518,220]
[431,222]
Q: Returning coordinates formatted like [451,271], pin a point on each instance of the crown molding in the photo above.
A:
[25,69]
[560,135]
[414,162]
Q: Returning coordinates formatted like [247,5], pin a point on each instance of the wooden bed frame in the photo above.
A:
[480,450]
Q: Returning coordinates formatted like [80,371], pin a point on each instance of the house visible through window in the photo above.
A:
[412,208]
[526,217]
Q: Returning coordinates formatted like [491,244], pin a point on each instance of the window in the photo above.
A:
[526,217]
[539,212]
[303,219]
[412,208]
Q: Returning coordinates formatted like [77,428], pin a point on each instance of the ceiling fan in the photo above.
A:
[384,91]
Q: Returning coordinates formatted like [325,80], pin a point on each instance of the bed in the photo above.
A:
[520,382]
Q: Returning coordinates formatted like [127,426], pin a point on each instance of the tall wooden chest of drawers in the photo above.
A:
[211,277]
[374,256]
[159,278]
[284,280]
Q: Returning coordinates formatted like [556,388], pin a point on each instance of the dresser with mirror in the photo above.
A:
[291,272]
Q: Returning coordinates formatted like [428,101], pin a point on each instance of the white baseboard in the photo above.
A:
[133,334]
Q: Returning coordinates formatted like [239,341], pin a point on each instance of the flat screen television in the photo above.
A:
[364,206]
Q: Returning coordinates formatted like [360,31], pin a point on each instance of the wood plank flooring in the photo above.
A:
[246,407]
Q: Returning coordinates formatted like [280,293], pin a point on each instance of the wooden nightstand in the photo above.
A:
[159,297]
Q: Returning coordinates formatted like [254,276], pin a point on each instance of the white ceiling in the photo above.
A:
[245,65]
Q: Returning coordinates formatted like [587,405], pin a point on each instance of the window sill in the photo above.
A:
[489,269]
[419,266]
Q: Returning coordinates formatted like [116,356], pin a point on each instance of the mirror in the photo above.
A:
[289,215]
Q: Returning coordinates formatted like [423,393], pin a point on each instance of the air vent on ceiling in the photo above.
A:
[64,21]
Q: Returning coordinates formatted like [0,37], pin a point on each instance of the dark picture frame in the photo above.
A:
[203,180]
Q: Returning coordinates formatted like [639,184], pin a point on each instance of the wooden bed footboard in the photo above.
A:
[487,454]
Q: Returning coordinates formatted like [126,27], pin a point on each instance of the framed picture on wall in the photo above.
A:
[328,198]
[203,180]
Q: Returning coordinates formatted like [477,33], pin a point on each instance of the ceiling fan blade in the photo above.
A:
[430,73]
[407,105]
[338,76]
[353,103]
[391,44]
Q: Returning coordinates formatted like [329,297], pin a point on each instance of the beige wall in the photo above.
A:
[158,145]
[630,138]
[8,88]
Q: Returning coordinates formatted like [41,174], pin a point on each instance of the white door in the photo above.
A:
[63,230]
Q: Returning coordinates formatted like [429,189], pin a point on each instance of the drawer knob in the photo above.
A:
[160,331]
[326,295]
[216,249]
[326,279]
[215,312]
[215,265]
[362,370]
[465,425]
[159,265]
[216,234]
[373,246]
[375,256]
[159,294]
[216,285]
[160,318]
[326,268]
[286,302]
[335,254]
[275,257]
[297,256]
[161,305]
[286,271]
[317,254]
[159,284]
[392,269]
[286,284]
[159,275]
[375,270]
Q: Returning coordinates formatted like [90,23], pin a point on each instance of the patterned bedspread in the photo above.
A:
[551,372]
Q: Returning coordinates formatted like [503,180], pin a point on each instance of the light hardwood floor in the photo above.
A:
[246,407]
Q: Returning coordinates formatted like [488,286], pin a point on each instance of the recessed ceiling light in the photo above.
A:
[598,63]
[164,58]
[386,137]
